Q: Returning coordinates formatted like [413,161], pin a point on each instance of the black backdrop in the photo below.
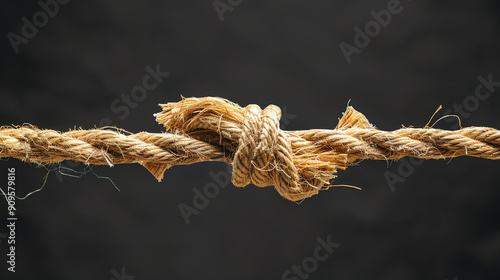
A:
[439,220]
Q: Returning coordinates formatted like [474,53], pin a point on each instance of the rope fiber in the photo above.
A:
[298,163]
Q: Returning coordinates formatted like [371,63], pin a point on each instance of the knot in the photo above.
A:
[259,151]
[264,156]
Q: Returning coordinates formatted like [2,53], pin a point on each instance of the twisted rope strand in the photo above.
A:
[297,163]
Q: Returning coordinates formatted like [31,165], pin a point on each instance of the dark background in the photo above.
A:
[440,223]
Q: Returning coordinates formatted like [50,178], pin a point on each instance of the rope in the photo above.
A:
[298,163]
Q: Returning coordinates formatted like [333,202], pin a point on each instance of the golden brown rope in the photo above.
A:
[297,163]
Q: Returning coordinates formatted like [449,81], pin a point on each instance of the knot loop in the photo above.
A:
[264,154]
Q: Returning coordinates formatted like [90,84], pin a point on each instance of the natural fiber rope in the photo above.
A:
[297,163]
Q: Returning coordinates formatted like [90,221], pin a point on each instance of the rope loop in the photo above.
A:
[264,155]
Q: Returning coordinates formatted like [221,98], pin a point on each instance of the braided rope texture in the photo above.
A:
[298,163]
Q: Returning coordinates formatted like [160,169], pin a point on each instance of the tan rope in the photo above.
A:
[297,163]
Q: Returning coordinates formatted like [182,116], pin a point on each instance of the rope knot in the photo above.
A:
[264,154]
[259,151]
